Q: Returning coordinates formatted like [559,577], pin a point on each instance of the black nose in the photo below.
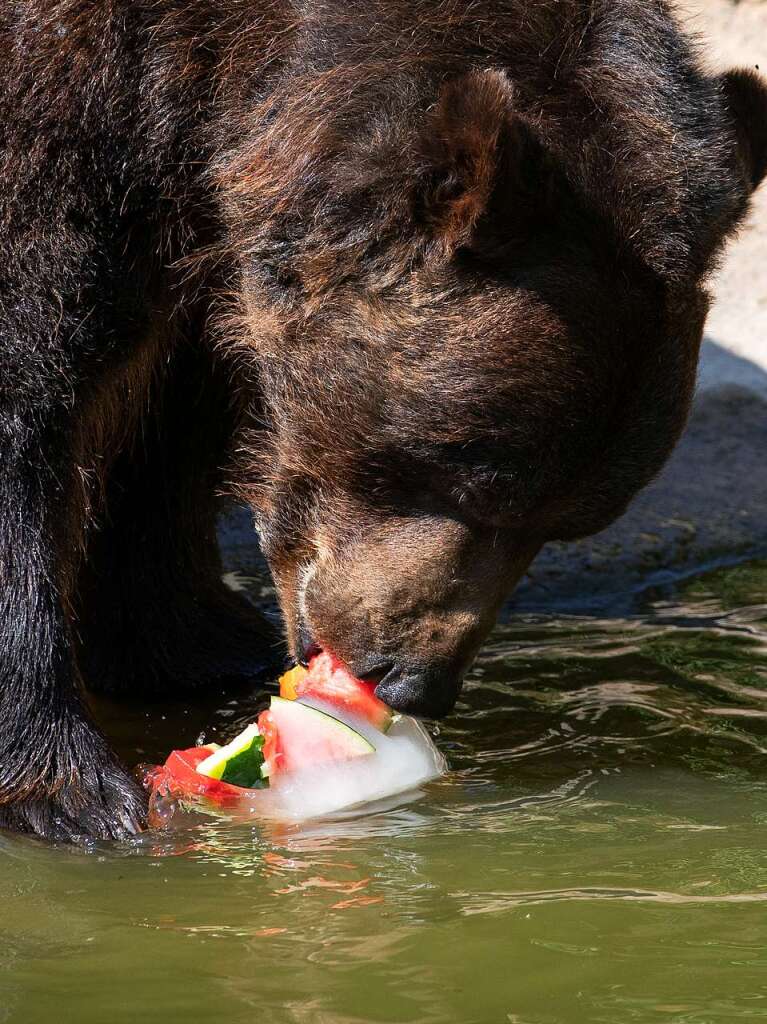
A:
[425,693]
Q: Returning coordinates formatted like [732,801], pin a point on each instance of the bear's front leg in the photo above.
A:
[58,777]
[153,614]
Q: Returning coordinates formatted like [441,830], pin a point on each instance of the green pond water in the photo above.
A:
[596,853]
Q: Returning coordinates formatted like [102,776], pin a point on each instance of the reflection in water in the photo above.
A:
[594,854]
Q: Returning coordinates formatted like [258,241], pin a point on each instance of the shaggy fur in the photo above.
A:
[421,280]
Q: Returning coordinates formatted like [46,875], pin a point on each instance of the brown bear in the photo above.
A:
[423,281]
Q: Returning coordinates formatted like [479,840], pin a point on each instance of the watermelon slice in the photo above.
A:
[297,736]
[289,737]
[179,777]
[329,680]
[241,762]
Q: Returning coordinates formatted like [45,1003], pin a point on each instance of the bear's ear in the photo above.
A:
[745,95]
[460,154]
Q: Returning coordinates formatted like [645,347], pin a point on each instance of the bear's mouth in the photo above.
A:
[374,670]
[418,693]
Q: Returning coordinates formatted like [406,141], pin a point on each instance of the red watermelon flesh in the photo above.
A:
[300,737]
[179,777]
[330,681]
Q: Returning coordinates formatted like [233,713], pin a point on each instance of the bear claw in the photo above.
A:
[107,804]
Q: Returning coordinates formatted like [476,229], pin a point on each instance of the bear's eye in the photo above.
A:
[486,477]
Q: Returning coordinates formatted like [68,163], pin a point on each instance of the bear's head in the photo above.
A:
[473,303]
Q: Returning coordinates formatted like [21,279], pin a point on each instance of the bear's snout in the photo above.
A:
[407,605]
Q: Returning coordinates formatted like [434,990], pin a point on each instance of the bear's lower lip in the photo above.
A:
[307,653]
[308,647]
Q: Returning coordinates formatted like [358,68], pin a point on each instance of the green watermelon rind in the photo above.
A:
[239,763]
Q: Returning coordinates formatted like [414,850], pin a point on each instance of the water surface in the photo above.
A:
[596,853]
